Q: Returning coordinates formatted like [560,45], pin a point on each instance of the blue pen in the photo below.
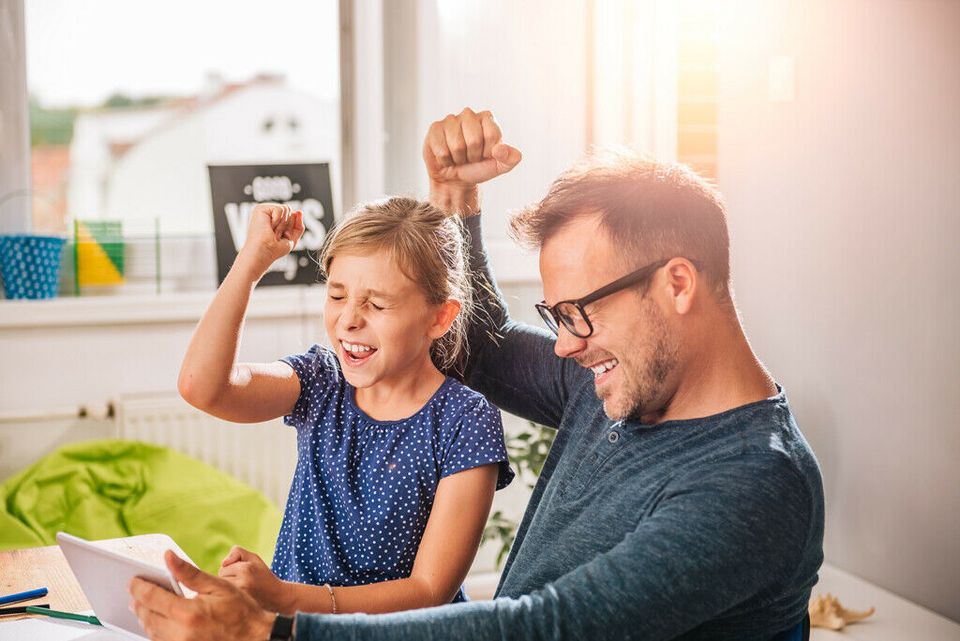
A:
[23,596]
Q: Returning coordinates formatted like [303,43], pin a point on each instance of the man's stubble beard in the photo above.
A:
[642,392]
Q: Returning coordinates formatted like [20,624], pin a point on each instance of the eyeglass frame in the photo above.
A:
[548,312]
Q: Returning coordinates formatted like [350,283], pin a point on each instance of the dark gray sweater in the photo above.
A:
[701,529]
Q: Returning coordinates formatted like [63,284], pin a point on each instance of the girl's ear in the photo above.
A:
[443,318]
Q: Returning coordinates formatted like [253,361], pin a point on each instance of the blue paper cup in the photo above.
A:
[30,265]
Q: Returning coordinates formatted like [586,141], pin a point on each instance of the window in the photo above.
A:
[130,102]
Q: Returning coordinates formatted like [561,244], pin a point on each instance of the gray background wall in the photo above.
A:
[845,215]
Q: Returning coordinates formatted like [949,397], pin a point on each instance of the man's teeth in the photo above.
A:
[355,347]
[603,367]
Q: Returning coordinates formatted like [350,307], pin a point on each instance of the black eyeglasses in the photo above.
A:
[571,313]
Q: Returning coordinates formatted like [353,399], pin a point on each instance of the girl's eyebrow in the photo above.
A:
[379,294]
[368,292]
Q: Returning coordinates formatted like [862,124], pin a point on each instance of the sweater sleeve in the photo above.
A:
[511,363]
[714,541]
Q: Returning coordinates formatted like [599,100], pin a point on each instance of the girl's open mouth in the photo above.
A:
[356,354]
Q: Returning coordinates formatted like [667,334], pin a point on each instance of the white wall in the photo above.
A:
[845,211]
[526,62]
[14,132]
[64,353]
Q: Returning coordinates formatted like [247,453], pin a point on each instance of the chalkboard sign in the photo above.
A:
[237,189]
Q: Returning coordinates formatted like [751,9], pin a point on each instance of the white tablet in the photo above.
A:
[103,576]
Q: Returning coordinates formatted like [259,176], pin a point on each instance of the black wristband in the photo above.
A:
[282,628]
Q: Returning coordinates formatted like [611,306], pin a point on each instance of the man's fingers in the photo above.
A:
[453,133]
[507,157]
[152,597]
[436,152]
[157,626]
[191,576]
[491,133]
[472,134]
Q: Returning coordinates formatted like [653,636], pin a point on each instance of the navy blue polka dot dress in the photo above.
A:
[363,488]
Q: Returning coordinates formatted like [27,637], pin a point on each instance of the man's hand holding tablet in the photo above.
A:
[219,612]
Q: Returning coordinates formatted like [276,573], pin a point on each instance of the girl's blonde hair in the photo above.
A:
[429,247]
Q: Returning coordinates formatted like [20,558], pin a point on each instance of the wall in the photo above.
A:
[14,132]
[63,354]
[844,208]
[526,62]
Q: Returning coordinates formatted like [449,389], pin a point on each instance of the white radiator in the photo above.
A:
[262,455]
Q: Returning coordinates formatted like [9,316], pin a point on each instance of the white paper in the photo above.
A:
[47,629]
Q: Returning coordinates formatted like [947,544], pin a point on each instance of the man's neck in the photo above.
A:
[724,374]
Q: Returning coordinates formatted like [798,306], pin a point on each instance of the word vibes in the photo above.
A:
[282,190]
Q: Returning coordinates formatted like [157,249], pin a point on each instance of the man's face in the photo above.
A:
[631,352]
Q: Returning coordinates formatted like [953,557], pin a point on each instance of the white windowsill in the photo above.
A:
[266,302]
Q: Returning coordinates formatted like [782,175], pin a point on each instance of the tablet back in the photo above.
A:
[103,576]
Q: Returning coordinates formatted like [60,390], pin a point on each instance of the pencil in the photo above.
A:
[57,614]
[22,609]
[23,596]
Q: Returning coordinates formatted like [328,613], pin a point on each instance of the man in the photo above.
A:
[679,501]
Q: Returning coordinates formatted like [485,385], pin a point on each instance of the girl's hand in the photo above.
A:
[247,571]
[272,233]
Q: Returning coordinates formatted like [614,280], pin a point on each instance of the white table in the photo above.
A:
[896,619]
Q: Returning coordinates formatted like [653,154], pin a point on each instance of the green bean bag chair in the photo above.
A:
[110,489]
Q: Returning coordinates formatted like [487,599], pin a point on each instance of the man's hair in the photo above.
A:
[429,247]
[656,210]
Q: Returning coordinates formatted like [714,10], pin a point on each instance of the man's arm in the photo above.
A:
[713,544]
[717,539]
[511,363]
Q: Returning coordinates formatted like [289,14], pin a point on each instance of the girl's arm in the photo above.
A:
[447,549]
[210,377]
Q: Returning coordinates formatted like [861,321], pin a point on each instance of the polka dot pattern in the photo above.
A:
[363,489]
[30,265]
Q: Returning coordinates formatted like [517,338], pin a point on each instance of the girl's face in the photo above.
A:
[378,320]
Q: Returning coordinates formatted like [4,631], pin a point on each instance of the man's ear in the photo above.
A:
[683,280]
[443,318]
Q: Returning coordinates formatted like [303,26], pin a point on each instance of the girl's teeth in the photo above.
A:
[355,348]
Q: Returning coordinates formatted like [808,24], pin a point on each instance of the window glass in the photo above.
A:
[131,101]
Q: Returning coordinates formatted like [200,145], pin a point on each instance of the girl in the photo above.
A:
[397,463]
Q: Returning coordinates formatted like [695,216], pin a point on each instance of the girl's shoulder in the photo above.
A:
[455,398]
[318,366]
